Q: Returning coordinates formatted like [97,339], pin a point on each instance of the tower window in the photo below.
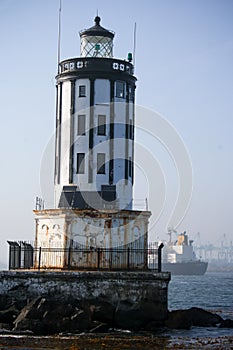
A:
[131,94]
[81,124]
[101,124]
[80,163]
[120,89]
[82,91]
[100,163]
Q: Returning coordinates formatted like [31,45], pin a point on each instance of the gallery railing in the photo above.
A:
[24,256]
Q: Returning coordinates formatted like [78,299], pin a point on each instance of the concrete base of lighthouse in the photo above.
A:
[122,299]
[130,298]
[58,230]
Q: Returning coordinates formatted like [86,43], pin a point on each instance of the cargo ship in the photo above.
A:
[179,257]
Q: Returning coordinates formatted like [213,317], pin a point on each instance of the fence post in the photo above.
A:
[39,259]
[160,257]
[13,263]
[128,262]
[32,257]
[110,258]
[69,255]
[20,254]
[98,258]
[10,250]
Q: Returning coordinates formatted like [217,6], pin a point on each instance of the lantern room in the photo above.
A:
[96,41]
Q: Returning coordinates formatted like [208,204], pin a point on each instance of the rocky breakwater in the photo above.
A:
[47,316]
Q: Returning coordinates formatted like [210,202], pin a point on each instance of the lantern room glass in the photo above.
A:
[96,46]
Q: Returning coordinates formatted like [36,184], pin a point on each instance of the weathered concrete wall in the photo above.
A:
[146,291]
[106,229]
[89,228]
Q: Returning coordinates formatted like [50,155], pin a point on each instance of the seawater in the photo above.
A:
[212,292]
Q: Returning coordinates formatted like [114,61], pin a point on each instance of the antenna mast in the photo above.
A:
[59,38]
[134,44]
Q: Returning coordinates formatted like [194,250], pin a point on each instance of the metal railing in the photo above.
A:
[23,256]
[20,255]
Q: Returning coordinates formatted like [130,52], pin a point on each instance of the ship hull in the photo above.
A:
[186,268]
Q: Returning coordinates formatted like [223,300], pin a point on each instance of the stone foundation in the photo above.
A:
[135,298]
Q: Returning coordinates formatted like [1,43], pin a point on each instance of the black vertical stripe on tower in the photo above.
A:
[111,132]
[59,134]
[127,134]
[72,111]
[56,142]
[133,130]
[91,131]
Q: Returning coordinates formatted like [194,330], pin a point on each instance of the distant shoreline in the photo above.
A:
[219,268]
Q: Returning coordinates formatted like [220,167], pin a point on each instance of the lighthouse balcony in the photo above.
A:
[89,64]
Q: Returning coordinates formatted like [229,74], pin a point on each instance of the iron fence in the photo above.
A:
[20,255]
[24,256]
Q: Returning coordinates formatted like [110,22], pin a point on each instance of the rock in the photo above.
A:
[103,312]
[154,326]
[30,317]
[4,326]
[228,323]
[152,312]
[46,316]
[137,316]
[99,327]
[203,318]
[179,319]
[31,325]
[9,315]
[5,302]
[29,312]
[76,321]
[184,319]
[129,317]
[80,321]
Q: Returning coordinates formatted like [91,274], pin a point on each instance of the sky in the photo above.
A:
[183,63]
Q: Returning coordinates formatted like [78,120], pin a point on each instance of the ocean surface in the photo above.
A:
[212,292]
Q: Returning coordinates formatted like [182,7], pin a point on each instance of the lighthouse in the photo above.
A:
[94,154]
[95,126]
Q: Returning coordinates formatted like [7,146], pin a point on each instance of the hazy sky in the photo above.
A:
[184,55]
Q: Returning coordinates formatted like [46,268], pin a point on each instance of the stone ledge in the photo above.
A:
[98,275]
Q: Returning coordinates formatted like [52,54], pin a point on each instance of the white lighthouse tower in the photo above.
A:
[95,126]
[94,153]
